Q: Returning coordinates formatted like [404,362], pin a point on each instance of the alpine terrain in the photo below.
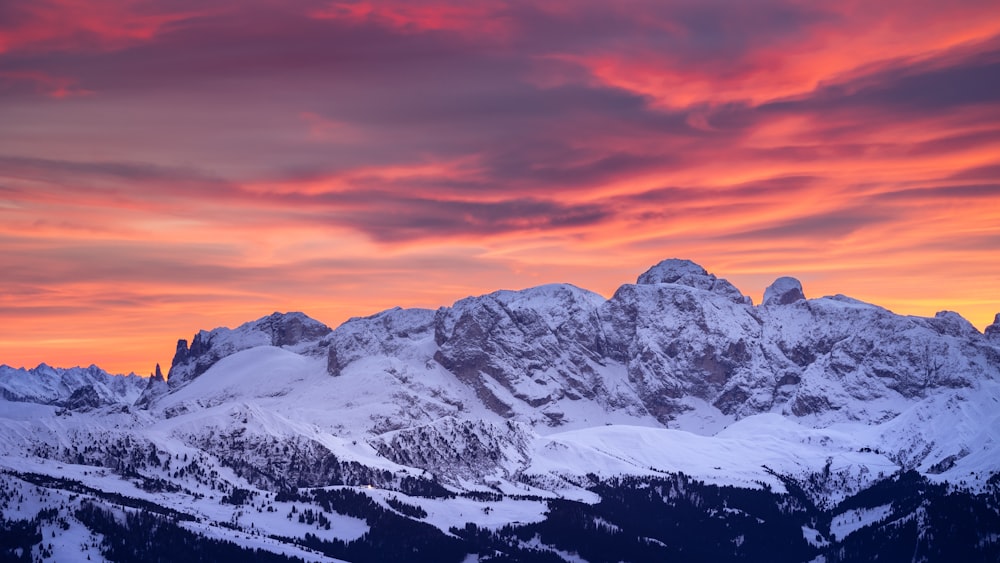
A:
[676,420]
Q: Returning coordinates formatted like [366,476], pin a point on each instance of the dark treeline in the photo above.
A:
[664,519]
[17,537]
[637,519]
[150,537]
[927,522]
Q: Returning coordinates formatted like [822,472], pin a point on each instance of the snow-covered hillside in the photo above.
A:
[513,397]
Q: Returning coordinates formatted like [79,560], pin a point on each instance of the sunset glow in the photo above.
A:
[167,167]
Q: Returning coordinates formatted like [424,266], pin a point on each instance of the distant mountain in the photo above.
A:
[529,425]
[75,388]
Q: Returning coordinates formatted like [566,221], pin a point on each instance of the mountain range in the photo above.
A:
[674,419]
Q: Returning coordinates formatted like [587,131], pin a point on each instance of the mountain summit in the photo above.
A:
[687,273]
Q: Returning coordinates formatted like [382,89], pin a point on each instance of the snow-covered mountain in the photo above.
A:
[75,388]
[488,412]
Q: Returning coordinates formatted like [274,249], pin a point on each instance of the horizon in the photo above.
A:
[170,167]
[165,366]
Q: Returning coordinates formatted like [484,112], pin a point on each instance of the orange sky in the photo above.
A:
[167,167]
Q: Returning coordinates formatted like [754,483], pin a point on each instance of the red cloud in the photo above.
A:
[68,25]
[479,18]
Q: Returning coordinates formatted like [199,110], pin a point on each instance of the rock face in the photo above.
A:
[993,331]
[290,329]
[837,356]
[85,399]
[692,337]
[388,333]
[783,291]
[679,338]
[207,348]
[463,449]
[535,346]
[685,272]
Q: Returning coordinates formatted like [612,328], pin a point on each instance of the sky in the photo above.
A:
[170,166]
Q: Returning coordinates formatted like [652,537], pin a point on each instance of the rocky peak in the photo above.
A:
[208,347]
[993,331]
[783,291]
[157,375]
[952,324]
[288,329]
[674,270]
[687,273]
[181,355]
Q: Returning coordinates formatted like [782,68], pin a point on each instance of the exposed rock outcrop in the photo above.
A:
[783,291]
[687,273]
[993,331]
[207,348]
